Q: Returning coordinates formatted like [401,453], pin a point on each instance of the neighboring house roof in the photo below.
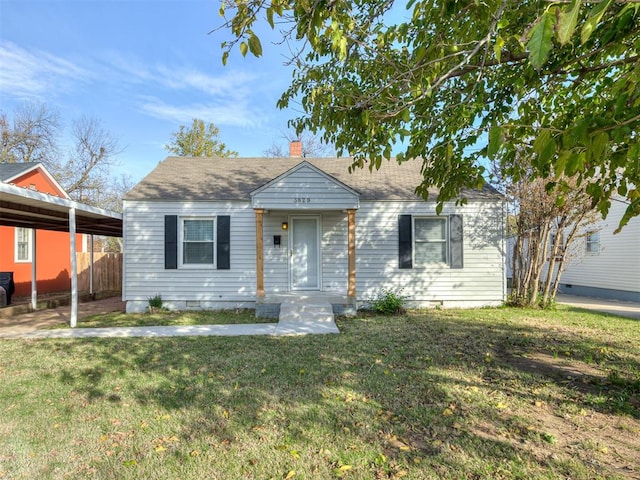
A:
[13,171]
[187,178]
[10,171]
[24,207]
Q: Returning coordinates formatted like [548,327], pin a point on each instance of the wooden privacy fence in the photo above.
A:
[107,271]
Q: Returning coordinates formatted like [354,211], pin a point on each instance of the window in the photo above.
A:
[198,241]
[430,240]
[23,244]
[189,241]
[593,242]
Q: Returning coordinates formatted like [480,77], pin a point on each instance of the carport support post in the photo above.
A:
[91,264]
[34,270]
[259,254]
[74,268]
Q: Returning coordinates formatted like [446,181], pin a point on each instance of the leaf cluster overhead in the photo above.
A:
[460,82]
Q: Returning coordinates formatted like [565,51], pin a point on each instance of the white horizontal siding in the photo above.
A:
[617,265]
[144,272]
[334,252]
[305,189]
[276,260]
[481,281]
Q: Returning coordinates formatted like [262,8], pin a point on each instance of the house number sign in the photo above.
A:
[298,199]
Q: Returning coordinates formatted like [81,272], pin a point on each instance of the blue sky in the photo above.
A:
[143,68]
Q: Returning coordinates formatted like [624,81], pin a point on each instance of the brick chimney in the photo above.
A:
[295,149]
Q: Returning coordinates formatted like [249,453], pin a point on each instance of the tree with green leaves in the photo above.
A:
[199,140]
[454,83]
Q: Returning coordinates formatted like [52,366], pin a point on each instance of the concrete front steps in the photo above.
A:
[301,317]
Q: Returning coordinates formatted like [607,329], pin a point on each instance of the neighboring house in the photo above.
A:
[53,265]
[606,265]
[212,233]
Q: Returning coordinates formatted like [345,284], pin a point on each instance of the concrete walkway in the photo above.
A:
[33,325]
[273,329]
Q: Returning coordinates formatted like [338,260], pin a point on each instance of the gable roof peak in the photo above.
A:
[298,167]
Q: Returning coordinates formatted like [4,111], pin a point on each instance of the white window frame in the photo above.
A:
[592,238]
[29,237]
[416,241]
[181,241]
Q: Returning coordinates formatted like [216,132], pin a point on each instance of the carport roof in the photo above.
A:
[21,207]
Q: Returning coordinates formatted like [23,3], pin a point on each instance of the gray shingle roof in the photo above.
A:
[12,170]
[186,178]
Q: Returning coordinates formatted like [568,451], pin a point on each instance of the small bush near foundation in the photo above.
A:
[388,302]
[155,303]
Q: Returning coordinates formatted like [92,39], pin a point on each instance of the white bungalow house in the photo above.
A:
[215,233]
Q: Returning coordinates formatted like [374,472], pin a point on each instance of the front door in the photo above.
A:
[305,253]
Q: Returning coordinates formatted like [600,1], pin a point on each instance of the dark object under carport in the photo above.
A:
[6,282]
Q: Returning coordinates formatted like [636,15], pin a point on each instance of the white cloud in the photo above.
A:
[229,83]
[129,69]
[126,68]
[164,91]
[181,93]
[25,73]
[231,113]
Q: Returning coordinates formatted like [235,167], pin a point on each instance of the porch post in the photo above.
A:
[259,254]
[351,245]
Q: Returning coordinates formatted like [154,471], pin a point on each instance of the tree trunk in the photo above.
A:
[539,257]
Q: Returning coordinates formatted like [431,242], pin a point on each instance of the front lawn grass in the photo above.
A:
[484,393]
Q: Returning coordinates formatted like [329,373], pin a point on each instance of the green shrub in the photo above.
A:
[388,302]
[155,303]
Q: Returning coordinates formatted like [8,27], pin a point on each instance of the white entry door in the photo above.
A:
[305,253]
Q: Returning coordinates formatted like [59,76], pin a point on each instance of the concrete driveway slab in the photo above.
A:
[615,307]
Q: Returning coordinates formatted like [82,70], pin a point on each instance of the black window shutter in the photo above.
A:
[170,242]
[405,252]
[223,241]
[455,241]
